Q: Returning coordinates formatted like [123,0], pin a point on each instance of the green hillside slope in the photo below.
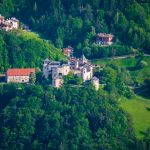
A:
[25,49]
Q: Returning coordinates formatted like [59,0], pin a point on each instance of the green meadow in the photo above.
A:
[139,110]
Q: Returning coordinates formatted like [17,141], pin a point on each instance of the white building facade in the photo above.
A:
[19,75]
[9,24]
[80,67]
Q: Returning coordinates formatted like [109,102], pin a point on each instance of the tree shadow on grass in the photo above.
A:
[142,132]
[148,108]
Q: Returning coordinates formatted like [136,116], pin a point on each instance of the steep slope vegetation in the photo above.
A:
[24,49]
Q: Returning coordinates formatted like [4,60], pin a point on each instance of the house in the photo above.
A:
[77,63]
[57,82]
[60,71]
[14,22]
[48,65]
[2,19]
[19,75]
[78,66]
[68,51]
[95,82]
[104,39]
[56,70]
[87,72]
[8,24]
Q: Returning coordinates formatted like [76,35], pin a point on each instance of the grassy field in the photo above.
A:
[138,75]
[139,110]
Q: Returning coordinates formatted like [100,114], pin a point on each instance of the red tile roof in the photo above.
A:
[67,51]
[20,72]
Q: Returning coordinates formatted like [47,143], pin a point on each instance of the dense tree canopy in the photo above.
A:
[33,117]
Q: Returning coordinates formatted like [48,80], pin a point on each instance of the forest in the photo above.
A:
[36,117]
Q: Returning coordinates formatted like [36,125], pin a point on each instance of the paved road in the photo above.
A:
[119,57]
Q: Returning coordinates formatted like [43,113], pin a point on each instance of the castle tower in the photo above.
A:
[45,67]
[83,59]
[77,64]
[87,72]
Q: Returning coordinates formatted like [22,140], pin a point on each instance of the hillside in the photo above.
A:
[96,100]
[76,23]
[25,49]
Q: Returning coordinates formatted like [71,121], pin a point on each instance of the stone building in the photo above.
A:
[68,51]
[104,39]
[77,63]
[8,24]
[95,82]
[48,66]
[13,22]
[87,72]
[57,82]
[60,71]
[56,70]
[19,75]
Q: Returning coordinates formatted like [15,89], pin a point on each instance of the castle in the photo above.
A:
[78,66]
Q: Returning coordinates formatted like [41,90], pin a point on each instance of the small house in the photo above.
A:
[68,51]
[19,75]
[8,24]
[57,82]
[104,39]
[2,19]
